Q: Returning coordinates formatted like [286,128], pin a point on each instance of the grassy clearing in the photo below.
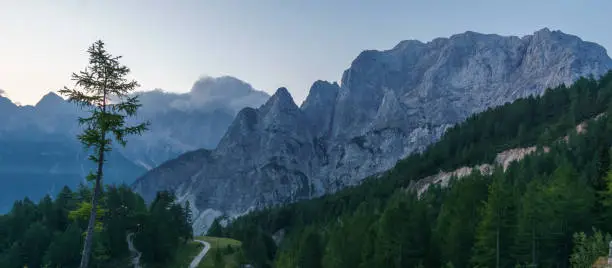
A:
[224,252]
[185,254]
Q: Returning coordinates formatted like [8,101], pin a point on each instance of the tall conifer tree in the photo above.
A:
[103,89]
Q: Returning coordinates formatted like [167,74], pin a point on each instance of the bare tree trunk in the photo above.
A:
[497,247]
[94,206]
[533,245]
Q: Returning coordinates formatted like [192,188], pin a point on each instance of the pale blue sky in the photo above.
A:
[267,43]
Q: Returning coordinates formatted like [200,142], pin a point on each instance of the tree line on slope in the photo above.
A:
[50,233]
[549,210]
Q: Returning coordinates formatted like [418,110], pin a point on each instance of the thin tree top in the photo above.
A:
[104,89]
[103,79]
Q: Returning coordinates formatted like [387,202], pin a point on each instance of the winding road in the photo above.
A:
[135,253]
[196,261]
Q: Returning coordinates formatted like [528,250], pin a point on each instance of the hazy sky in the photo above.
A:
[267,43]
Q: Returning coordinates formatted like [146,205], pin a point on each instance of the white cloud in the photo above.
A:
[207,94]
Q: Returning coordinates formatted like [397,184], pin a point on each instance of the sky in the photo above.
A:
[266,43]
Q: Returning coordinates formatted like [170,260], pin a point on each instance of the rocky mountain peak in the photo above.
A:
[51,103]
[407,44]
[283,95]
[279,116]
[322,88]
[6,105]
[6,101]
[321,94]
[280,101]
[544,32]
[50,99]
[319,106]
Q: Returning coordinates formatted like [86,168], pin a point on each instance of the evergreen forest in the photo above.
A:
[50,233]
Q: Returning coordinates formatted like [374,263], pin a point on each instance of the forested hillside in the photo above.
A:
[549,210]
[50,233]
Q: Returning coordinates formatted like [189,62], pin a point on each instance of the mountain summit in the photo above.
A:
[390,104]
[50,99]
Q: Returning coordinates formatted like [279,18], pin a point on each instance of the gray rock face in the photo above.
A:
[390,104]
[319,107]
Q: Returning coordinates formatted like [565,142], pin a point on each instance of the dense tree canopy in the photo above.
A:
[51,233]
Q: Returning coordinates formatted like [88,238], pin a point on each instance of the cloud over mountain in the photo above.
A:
[206,95]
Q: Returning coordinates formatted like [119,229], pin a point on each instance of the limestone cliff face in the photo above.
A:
[389,104]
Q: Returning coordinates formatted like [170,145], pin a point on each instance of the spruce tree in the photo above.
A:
[493,235]
[456,224]
[103,89]
[531,224]
[310,253]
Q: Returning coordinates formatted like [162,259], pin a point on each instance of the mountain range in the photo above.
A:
[40,154]
[388,105]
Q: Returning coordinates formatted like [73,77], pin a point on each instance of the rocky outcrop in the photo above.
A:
[502,160]
[389,104]
[443,178]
